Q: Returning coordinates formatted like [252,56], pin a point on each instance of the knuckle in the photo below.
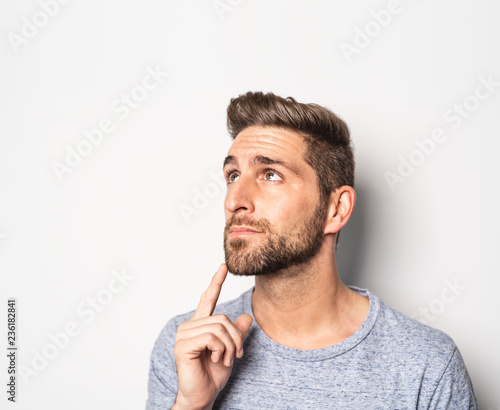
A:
[220,327]
[212,338]
[222,318]
[179,336]
[178,348]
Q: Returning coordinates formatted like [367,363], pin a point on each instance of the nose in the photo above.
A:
[240,196]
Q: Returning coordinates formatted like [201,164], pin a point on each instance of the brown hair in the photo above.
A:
[329,151]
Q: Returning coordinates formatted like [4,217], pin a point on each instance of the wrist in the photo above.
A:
[181,404]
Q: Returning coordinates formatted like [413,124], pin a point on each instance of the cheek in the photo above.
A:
[287,209]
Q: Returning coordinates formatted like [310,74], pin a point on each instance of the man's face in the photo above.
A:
[273,191]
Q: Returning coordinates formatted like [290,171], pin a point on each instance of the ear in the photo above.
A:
[340,207]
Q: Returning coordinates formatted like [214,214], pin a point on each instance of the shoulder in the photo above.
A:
[407,343]
[411,335]
[427,355]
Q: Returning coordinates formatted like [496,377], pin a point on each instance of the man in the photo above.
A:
[300,338]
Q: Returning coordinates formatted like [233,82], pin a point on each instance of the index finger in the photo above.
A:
[209,298]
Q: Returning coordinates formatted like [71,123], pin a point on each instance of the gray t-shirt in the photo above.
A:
[390,362]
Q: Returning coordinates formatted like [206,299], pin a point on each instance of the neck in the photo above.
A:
[307,306]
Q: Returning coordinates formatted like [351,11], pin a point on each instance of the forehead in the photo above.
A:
[270,141]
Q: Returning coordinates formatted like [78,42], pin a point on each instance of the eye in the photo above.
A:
[232,177]
[269,175]
[271,172]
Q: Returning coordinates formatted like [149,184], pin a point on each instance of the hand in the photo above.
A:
[205,347]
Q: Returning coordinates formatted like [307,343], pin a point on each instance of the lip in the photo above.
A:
[242,231]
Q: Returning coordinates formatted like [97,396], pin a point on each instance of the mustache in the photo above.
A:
[261,224]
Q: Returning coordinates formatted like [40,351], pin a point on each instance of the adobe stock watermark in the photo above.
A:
[364,36]
[201,197]
[3,236]
[121,107]
[30,27]
[86,312]
[453,118]
[222,7]
[452,290]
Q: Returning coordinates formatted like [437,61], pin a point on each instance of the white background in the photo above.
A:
[120,208]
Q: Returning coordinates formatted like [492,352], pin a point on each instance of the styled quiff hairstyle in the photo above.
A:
[329,151]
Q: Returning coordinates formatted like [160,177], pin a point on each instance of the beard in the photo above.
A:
[274,250]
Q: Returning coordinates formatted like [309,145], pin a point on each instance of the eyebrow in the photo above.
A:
[261,160]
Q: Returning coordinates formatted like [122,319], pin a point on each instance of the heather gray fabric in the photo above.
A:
[390,362]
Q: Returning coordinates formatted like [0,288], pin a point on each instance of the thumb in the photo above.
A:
[243,324]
